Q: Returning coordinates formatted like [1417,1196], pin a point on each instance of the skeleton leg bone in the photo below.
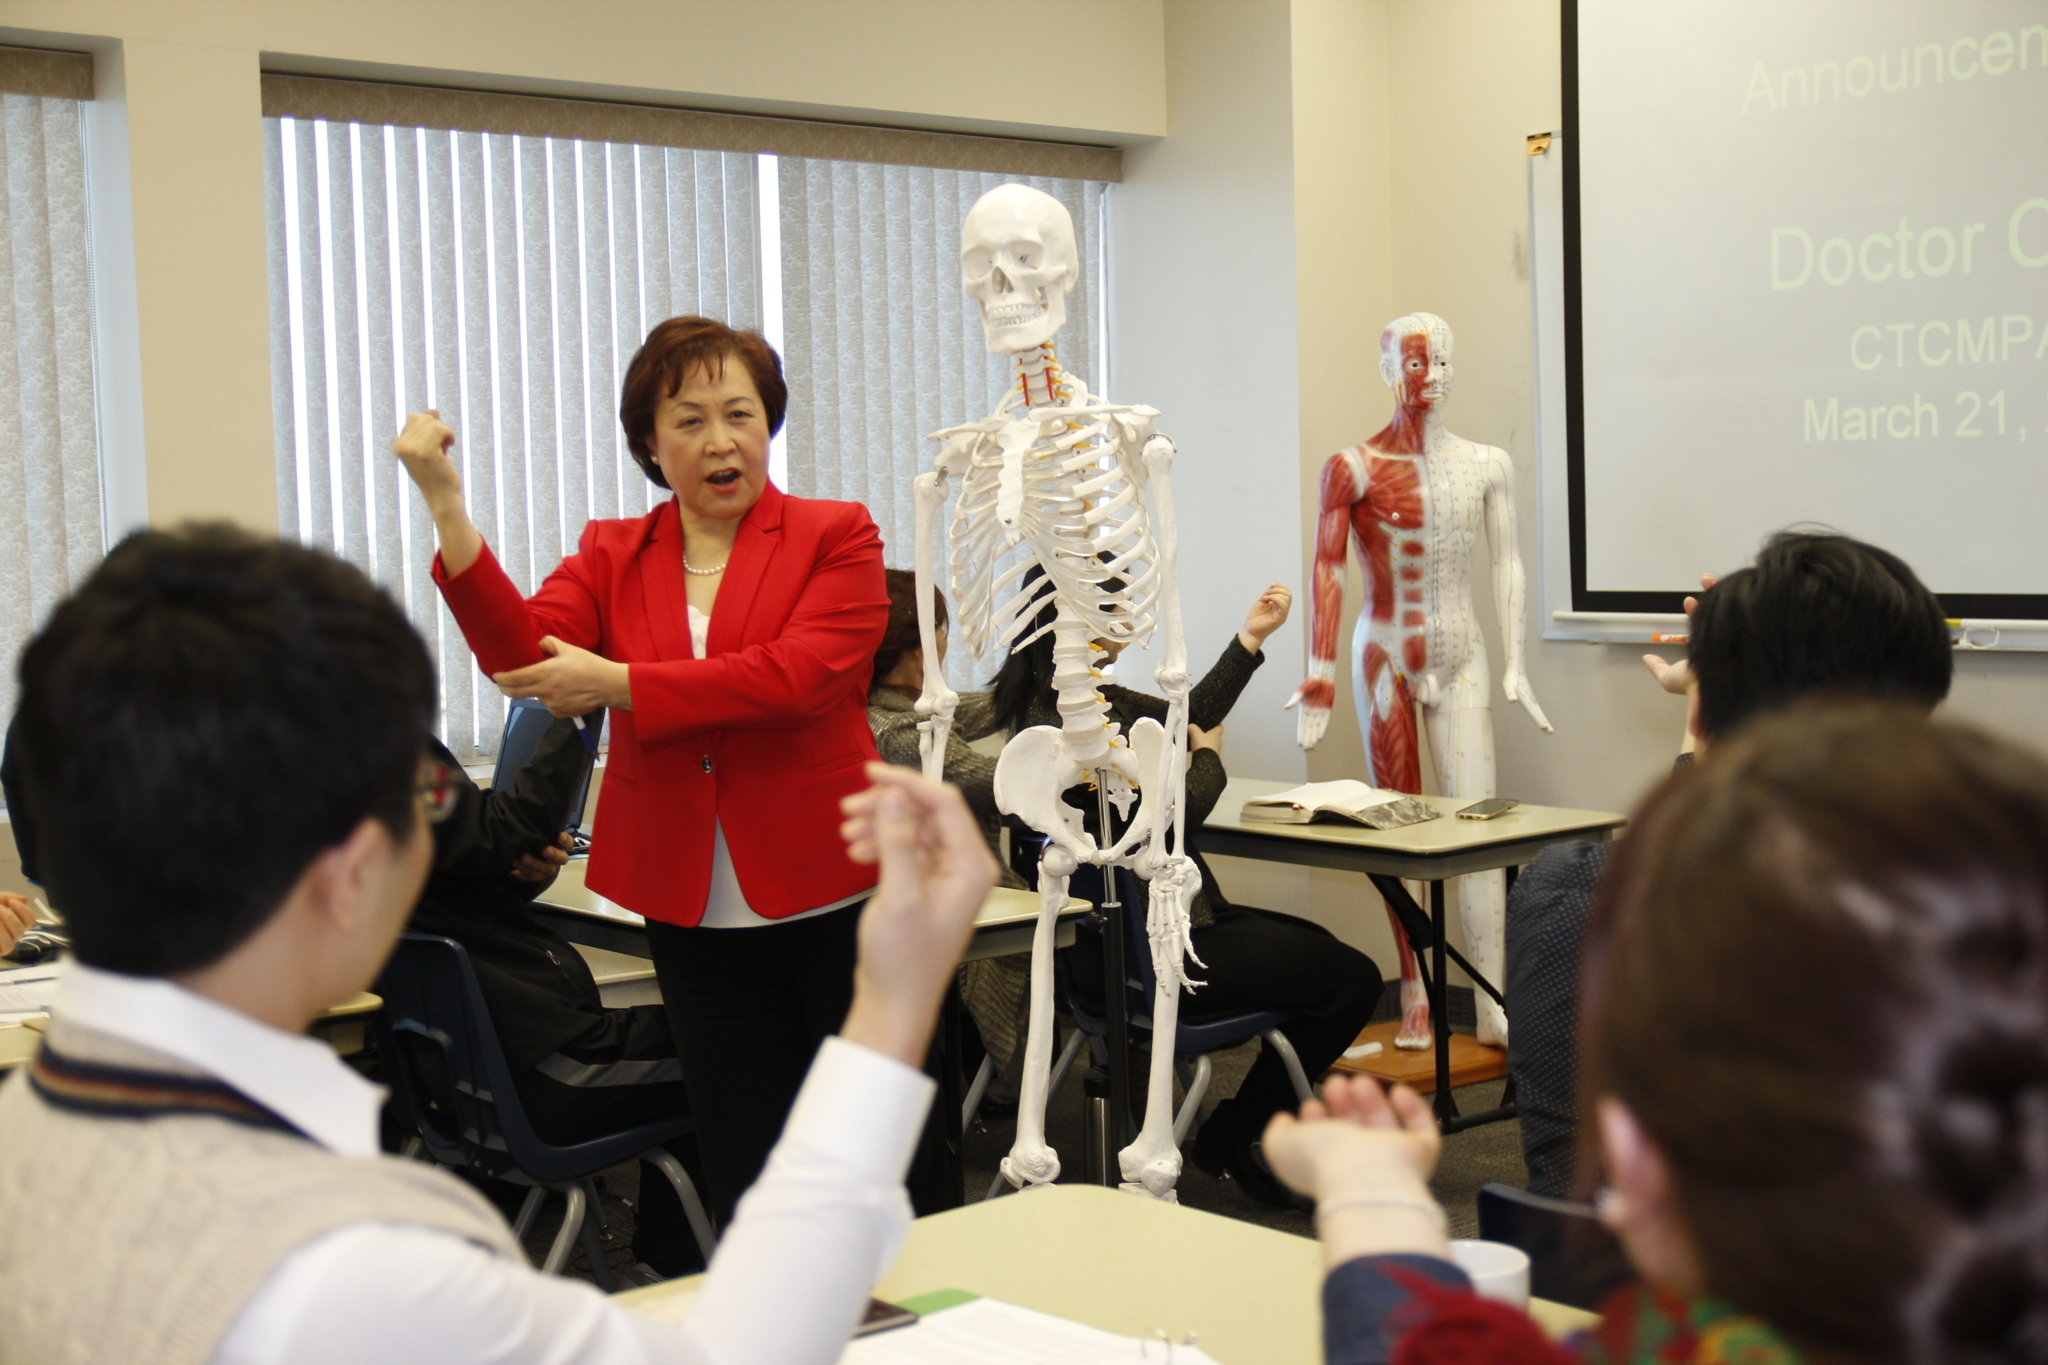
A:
[1151,1165]
[1031,1161]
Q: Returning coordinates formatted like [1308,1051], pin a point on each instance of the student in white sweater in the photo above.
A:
[222,733]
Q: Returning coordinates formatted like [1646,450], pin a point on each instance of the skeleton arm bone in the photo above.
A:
[1318,693]
[1509,588]
[1172,672]
[935,705]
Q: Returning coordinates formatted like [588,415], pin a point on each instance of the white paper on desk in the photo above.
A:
[28,990]
[988,1332]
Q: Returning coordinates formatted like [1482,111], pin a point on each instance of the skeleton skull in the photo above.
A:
[1017,260]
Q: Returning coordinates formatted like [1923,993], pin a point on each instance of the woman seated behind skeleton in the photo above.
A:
[1817,1050]
[1251,959]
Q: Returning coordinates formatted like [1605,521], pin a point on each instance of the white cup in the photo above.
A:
[1498,1271]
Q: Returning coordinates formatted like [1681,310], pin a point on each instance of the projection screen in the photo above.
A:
[1807,245]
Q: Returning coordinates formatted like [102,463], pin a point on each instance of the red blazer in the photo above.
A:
[766,733]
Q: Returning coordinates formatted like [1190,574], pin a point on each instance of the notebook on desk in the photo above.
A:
[1341,800]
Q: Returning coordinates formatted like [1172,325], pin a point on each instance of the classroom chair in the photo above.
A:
[432,1004]
[1573,1258]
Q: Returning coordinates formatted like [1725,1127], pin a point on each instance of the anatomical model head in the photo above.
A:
[1017,260]
[1415,359]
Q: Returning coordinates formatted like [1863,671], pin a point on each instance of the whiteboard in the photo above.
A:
[1793,269]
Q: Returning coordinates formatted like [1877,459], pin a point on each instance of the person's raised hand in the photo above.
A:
[935,870]
[423,449]
[570,681]
[1676,677]
[1365,1154]
[1211,738]
[1267,615]
[17,917]
[538,867]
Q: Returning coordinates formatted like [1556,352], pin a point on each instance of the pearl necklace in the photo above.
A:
[701,573]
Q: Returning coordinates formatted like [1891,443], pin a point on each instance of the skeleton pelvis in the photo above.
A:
[1035,770]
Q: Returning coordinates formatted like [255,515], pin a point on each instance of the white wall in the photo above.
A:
[1204,328]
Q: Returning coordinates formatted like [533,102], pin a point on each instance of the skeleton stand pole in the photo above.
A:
[1115,998]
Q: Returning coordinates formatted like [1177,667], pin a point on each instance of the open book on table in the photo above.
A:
[1343,800]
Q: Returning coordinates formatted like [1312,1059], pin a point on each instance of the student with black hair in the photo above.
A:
[1817,614]
[1251,959]
[224,736]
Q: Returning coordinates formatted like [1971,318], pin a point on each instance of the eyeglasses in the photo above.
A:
[437,790]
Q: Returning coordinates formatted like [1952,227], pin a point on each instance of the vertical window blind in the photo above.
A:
[51,532]
[882,346]
[505,281]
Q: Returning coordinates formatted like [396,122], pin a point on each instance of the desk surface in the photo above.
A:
[18,1044]
[1447,843]
[1005,907]
[1121,1263]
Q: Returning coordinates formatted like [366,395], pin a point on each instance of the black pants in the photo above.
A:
[748,1008]
[1261,960]
[616,1075]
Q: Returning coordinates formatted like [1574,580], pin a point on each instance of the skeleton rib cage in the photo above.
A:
[1081,514]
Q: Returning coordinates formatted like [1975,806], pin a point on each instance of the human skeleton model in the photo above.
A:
[1065,474]
[1414,498]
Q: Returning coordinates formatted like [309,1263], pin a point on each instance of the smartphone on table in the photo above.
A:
[881,1316]
[1486,810]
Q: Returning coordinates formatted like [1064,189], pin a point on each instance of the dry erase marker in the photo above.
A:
[589,738]
[1667,639]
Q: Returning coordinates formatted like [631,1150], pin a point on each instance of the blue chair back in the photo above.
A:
[432,1003]
[1141,981]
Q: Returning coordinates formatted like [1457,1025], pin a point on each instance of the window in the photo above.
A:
[884,348]
[506,279]
[51,532]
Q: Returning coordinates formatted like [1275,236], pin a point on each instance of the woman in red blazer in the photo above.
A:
[730,632]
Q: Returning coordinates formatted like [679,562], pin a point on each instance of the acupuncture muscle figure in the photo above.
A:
[1414,500]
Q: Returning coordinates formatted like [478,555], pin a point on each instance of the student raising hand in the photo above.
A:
[935,872]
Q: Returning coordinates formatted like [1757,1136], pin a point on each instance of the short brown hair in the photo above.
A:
[671,351]
[1818,976]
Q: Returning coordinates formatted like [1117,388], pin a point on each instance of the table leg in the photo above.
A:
[937,1178]
[1428,931]
[1444,1102]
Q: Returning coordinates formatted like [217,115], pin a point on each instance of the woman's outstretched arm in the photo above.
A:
[423,449]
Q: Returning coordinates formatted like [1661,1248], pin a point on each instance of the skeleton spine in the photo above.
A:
[1038,370]
[1084,715]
